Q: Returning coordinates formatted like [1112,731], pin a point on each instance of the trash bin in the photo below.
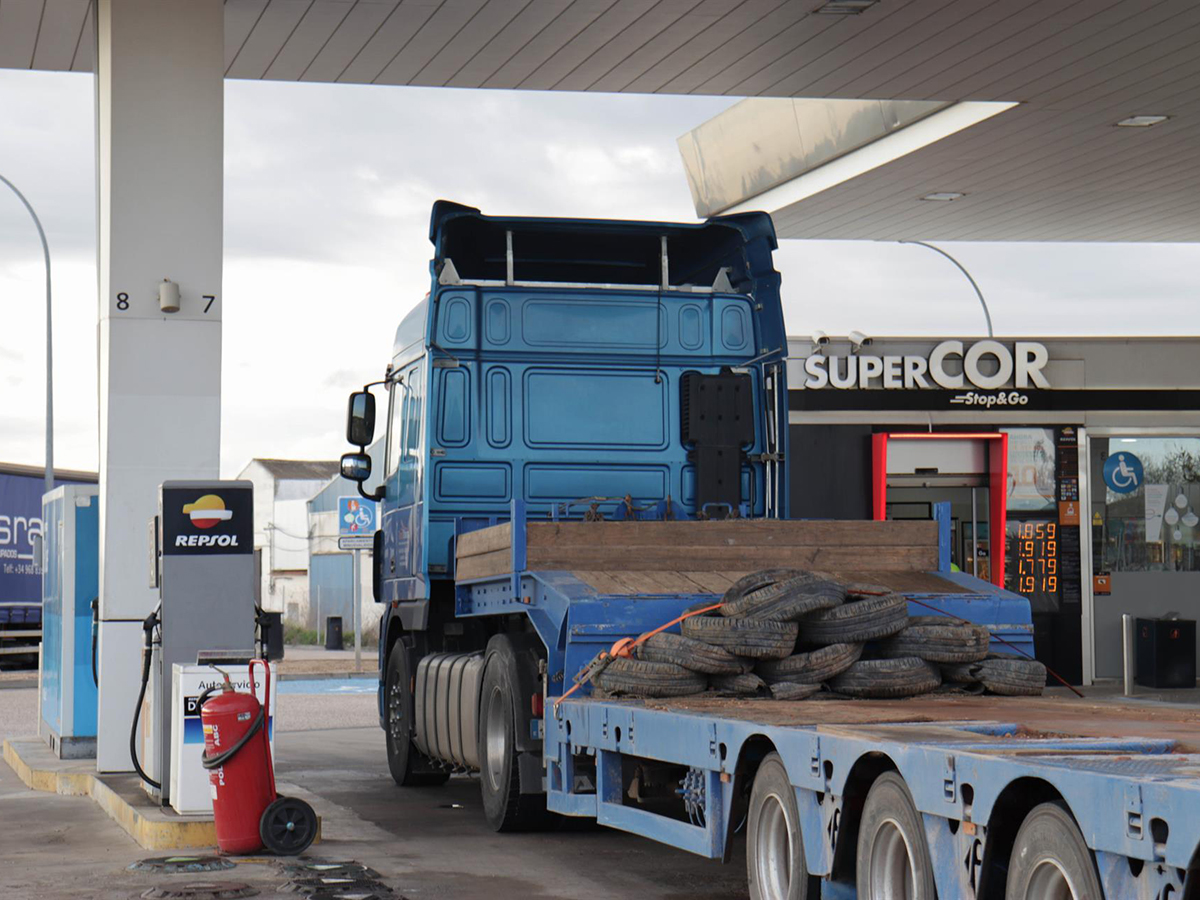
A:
[333,632]
[1166,653]
[271,624]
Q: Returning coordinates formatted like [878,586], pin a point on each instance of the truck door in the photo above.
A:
[401,512]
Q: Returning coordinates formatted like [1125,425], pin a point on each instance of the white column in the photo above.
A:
[160,117]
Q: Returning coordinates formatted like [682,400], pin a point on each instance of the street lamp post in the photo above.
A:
[49,346]
[978,293]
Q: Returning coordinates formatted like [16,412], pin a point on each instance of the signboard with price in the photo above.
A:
[1033,562]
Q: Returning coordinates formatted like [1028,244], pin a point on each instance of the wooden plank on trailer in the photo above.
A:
[602,582]
[740,533]
[483,565]
[712,582]
[643,559]
[485,540]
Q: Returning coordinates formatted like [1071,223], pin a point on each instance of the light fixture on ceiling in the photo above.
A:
[944,196]
[1141,121]
[844,7]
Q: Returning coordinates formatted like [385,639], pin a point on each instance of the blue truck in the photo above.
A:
[587,435]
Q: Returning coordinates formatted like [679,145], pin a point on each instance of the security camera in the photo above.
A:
[858,340]
[819,340]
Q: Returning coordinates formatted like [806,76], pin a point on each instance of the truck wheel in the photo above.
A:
[408,767]
[893,855]
[775,864]
[1050,860]
[504,806]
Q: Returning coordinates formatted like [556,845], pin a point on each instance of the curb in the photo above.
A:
[154,831]
[325,676]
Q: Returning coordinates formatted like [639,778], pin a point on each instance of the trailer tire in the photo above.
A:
[787,600]
[1050,858]
[1012,676]
[893,852]
[938,639]
[689,653]
[775,865]
[908,676]
[504,806]
[747,685]
[753,638]
[408,766]
[642,678]
[858,620]
[812,667]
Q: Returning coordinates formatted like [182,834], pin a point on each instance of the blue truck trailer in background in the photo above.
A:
[21,490]
[586,434]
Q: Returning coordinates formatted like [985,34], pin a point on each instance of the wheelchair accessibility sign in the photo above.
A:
[355,516]
[1123,473]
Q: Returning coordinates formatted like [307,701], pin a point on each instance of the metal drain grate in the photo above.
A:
[176,865]
[336,883]
[200,890]
[316,868]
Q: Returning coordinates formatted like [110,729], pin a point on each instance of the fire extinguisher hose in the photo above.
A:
[215,762]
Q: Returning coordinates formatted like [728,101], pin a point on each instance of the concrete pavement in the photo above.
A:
[426,843]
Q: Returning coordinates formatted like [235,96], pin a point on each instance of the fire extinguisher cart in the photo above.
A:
[248,812]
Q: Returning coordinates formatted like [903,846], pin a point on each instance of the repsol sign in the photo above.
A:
[987,365]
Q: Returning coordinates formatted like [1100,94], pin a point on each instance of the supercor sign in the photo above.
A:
[988,365]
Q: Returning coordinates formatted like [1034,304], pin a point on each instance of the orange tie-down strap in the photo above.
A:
[624,647]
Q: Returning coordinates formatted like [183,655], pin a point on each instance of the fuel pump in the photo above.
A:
[202,562]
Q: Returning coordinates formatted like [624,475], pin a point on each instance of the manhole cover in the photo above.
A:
[351,895]
[200,890]
[174,865]
[337,883]
[313,868]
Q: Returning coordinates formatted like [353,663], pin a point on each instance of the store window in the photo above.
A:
[1146,504]
[1030,469]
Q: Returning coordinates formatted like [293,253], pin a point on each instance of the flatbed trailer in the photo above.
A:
[974,767]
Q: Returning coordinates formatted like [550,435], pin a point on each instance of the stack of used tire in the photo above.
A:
[789,634]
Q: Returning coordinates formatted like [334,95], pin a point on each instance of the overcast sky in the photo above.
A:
[327,199]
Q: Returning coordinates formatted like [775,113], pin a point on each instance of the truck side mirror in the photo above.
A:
[360,422]
[356,467]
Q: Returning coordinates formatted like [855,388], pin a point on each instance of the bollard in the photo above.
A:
[1127,652]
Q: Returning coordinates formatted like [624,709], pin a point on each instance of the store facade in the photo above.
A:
[1082,453]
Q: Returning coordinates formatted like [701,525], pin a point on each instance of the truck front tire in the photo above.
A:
[408,767]
[500,760]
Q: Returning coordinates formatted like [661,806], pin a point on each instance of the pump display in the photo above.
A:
[202,549]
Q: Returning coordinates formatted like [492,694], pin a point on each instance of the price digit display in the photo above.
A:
[1034,562]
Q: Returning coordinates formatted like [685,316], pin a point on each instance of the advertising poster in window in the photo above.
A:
[1030,469]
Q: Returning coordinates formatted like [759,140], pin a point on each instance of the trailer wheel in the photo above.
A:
[408,767]
[1050,860]
[504,806]
[893,854]
[775,865]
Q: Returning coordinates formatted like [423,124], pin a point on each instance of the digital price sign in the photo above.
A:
[1033,563]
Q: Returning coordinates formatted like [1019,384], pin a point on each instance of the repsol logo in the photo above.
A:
[206,540]
[1021,366]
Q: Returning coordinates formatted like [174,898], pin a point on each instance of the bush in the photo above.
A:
[295,634]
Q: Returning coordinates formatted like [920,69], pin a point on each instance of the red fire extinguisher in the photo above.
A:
[248,813]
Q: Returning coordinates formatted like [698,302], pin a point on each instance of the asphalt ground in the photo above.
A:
[424,842]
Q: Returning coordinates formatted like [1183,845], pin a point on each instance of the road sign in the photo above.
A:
[355,516]
[356,541]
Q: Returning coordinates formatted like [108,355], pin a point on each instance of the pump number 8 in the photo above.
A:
[122,301]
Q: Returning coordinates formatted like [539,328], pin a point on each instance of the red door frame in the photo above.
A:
[997,483]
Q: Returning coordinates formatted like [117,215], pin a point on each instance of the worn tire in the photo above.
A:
[689,653]
[1050,855]
[789,690]
[787,600]
[748,584]
[859,620]
[904,677]
[1013,676]
[642,678]
[813,667]
[893,853]
[753,638]
[747,685]
[939,639]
